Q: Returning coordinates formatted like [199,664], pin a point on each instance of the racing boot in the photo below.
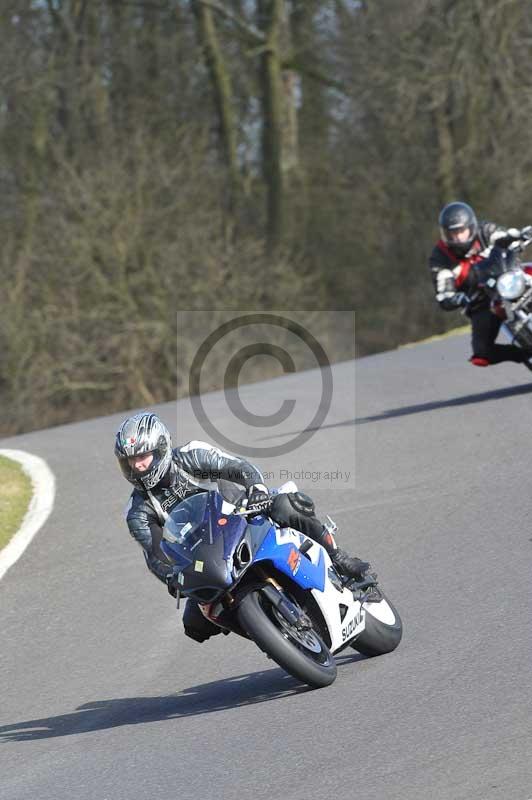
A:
[296,510]
[348,566]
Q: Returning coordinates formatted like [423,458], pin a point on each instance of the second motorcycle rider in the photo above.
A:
[461,246]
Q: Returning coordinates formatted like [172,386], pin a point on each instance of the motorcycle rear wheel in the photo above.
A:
[303,654]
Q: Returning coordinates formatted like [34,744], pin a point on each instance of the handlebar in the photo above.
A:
[245,512]
[242,512]
[523,240]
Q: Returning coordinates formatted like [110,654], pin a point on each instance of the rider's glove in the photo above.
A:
[505,237]
[445,284]
[446,294]
[258,498]
[445,288]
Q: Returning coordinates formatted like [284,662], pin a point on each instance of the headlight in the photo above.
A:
[511,285]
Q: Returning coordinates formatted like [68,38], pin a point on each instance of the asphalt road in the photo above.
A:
[104,698]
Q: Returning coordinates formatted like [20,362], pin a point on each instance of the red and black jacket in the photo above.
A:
[442,258]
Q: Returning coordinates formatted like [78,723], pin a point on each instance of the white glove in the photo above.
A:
[508,234]
[445,284]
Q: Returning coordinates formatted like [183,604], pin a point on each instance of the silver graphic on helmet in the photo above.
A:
[144,434]
[458,227]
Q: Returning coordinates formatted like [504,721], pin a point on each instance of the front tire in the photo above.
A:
[303,655]
[383,630]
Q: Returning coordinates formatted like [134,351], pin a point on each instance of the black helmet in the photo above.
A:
[454,218]
[138,435]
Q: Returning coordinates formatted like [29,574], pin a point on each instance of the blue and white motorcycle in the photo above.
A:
[275,587]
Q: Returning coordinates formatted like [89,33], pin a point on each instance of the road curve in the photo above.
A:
[104,698]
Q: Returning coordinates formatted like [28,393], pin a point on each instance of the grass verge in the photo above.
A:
[15,496]
[451,332]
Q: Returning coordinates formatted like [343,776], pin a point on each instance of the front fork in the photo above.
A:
[221,612]
[520,332]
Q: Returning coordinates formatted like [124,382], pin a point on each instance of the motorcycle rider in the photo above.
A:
[462,242]
[163,477]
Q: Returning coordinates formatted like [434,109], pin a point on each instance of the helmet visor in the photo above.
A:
[459,234]
[142,462]
[140,465]
[459,237]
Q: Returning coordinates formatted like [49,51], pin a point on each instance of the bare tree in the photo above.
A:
[223,93]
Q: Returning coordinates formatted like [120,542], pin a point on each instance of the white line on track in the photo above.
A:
[41,504]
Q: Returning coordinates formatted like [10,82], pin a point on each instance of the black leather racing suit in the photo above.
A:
[460,290]
[197,467]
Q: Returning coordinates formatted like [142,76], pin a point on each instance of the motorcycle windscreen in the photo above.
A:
[183,526]
[200,540]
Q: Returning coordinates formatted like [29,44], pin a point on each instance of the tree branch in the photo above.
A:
[293,62]
[251,32]
[144,4]
[59,19]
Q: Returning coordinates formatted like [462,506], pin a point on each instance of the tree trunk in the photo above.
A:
[279,122]
[313,126]
[446,166]
[223,94]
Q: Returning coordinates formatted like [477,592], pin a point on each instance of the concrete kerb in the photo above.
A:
[41,504]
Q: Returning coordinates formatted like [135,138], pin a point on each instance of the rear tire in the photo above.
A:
[310,661]
[383,630]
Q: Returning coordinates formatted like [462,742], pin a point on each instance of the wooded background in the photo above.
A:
[264,154]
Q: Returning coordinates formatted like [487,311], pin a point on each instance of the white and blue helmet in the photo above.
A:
[141,434]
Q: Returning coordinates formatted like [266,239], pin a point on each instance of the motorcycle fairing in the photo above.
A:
[199,539]
[204,553]
[344,616]
[281,547]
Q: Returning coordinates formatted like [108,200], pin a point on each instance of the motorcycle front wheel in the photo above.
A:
[383,630]
[299,651]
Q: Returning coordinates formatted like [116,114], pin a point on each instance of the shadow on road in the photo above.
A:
[464,400]
[404,411]
[239,690]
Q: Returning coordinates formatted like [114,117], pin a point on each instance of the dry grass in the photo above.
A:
[15,496]
[452,332]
